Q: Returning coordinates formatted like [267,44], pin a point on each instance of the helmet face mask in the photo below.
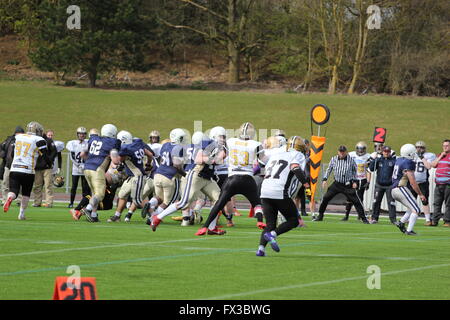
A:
[154,136]
[109,130]
[58,181]
[361,148]
[81,133]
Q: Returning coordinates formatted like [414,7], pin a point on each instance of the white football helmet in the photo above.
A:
[154,134]
[177,136]
[198,137]
[408,151]
[93,131]
[282,140]
[125,137]
[279,133]
[109,130]
[82,131]
[218,134]
[247,131]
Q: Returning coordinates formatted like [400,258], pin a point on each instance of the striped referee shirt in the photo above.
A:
[344,169]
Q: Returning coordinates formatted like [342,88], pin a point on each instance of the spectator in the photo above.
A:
[384,167]
[43,174]
[344,168]
[6,154]
[442,190]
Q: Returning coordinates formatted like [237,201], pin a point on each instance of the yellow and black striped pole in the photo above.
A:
[320,114]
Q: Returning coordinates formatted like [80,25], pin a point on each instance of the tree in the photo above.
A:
[113,35]
[228,27]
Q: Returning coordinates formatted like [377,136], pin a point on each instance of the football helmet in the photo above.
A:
[154,134]
[378,147]
[177,136]
[81,130]
[35,128]
[272,142]
[408,151]
[218,134]
[247,131]
[421,144]
[125,137]
[361,148]
[282,140]
[58,181]
[296,143]
[93,132]
[279,132]
[109,130]
[198,137]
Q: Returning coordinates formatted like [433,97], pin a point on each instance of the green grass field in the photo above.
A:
[353,118]
[325,260]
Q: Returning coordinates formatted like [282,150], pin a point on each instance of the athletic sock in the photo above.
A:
[153,203]
[117,214]
[405,217]
[273,233]
[94,214]
[412,221]
[259,216]
[262,248]
[427,217]
[169,210]
[89,207]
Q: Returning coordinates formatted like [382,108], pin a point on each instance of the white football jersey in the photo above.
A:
[279,181]
[156,147]
[266,154]
[59,147]
[75,147]
[362,163]
[421,173]
[242,155]
[26,152]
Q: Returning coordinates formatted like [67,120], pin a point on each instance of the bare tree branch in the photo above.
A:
[205,9]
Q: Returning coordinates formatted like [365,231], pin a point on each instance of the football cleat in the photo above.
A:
[128,217]
[401,226]
[76,214]
[216,232]
[177,218]
[428,223]
[261,225]
[273,242]
[70,205]
[230,223]
[155,222]
[201,231]
[7,204]
[411,233]
[114,218]
[260,253]
[185,222]
[21,217]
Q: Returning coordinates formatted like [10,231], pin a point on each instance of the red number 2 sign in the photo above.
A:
[379,135]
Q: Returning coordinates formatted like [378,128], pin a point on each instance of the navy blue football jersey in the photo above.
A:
[135,151]
[167,153]
[98,149]
[398,176]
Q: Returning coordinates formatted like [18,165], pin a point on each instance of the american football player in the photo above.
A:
[283,172]
[97,160]
[362,159]
[132,153]
[27,147]
[402,180]
[75,147]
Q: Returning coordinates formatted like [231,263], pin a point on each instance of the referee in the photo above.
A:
[344,168]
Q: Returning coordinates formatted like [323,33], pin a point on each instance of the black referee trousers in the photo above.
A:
[348,191]
[236,184]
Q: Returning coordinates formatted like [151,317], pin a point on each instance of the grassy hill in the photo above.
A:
[353,118]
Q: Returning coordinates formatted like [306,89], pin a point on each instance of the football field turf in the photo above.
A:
[325,260]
